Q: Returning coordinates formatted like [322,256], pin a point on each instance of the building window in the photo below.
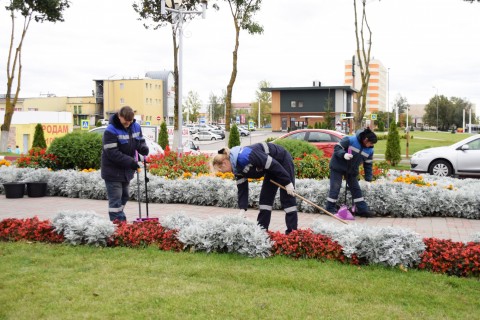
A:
[146,85]
[122,86]
[122,101]
[74,109]
[79,109]
[295,104]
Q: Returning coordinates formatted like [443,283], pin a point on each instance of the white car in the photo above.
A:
[153,147]
[104,122]
[243,132]
[459,159]
[206,136]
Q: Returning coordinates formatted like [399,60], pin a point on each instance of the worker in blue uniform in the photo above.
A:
[266,160]
[348,155]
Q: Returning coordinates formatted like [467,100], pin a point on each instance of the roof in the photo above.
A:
[346,88]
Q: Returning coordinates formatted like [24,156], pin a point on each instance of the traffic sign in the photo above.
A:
[85,125]
[343,115]
[159,118]
[373,116]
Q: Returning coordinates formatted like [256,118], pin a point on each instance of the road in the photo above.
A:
[254,137]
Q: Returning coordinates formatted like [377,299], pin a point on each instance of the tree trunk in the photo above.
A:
[228,97]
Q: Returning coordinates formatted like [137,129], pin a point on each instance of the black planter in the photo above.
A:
[14,189]
[36,189]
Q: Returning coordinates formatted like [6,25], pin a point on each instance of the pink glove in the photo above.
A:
[348,156]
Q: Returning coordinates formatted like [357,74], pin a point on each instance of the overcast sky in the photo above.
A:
[426,44]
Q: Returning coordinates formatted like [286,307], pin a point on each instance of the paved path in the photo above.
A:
[47,207]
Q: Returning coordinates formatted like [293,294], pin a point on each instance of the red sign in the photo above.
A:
[159,118]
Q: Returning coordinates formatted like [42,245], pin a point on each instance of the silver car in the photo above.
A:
[206,135]
[459,159]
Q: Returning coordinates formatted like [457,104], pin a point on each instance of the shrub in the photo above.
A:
[311,167]
[172,166]
[78,150]
[298,149]
[39,138]
[392,153]
[234,138]
[163,135]
[143,234]
[452,258]
[30,229]
[83,228]
[37,158]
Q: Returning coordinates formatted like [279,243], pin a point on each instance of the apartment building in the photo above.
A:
[145,96]
[377,86]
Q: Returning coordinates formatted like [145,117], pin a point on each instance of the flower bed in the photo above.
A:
[446,197]
[236,234]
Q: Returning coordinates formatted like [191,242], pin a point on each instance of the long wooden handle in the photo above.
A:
[310,202]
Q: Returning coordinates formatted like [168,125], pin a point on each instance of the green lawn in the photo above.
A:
[422,140]
[40,281]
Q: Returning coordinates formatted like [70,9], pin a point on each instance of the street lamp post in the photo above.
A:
[437,105]
[388,98]
[175,6]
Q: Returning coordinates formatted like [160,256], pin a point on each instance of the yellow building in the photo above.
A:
[145,96]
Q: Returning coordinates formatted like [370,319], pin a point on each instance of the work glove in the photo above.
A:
[143,150]
[134,165]
[348,156]
[290,189]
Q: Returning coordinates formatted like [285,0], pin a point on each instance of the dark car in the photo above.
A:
[323,139]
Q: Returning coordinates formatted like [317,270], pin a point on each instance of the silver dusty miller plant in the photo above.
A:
[385,197]
[221,234]
[83,227]
[386,246]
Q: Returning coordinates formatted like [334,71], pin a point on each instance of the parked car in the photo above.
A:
[189,147]
[221,133]
[243,132]
[206,136]
[460,159]
[104,122]
[153,147]
[324,140]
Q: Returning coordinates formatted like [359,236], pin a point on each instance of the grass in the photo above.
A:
[422,140]
[41,281]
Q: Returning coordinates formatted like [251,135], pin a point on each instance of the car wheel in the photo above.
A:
[213,138]
[196,139]
[441,168]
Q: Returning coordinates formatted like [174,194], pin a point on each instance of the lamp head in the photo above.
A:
[173,4]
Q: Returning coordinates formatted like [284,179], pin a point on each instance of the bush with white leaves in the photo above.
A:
[386,245]
[222,234]
[83,227]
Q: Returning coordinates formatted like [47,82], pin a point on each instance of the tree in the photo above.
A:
[242,13]
[392,153]
[234,138]
[39,137]
[438,105]
[329,115]
[265,100]
[363,57]
[450,112]
[401,103]
[216,108]
[39,11]
[192,104]
[163,135]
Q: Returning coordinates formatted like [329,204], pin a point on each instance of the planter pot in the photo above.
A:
[14,189]
[36,189]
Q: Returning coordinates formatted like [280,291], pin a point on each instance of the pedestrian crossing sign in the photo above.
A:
[373,116]
[85,125]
